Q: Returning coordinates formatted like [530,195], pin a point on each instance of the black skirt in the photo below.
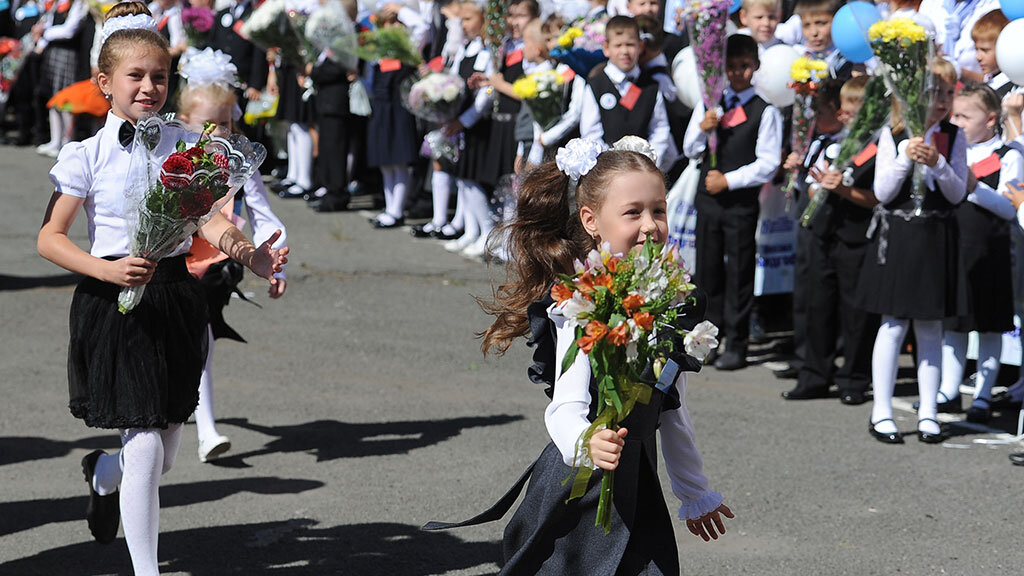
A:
[501,149]
[393,138]
[290,105]
[141,369]
[474,162]
[985,270]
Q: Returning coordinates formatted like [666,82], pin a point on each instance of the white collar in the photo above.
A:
[659,60]
[998,81]
[617,76]
[990,145]
[743,97]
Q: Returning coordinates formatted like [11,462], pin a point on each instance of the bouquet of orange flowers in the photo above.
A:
[627,311]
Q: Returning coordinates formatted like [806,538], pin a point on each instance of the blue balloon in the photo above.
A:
[735,6]
[1012,9]
[850,30]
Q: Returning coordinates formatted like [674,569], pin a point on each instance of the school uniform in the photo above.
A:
[835,247]
[502,144]
[141,369]
[677,112]
[226,36]
[393,138]
[59,65]
[475,163]
[911,270]
[838,66]
[332,115]
[748,154]
[619,103]
[547,142]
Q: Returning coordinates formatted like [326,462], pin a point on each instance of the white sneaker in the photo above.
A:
[476,249]
[210,450]
[460,243]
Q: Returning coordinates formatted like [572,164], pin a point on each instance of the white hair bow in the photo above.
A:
[579,156]
[209,67]
[127,22]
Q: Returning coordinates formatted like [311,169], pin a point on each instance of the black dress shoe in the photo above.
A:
[1003,401]
[953,406]
[788,373]
[928,437]
[293,193]
[852,397]
[1017,458]
[979,412]
[395,223]
[884,437]
[103,512]
[731,360]
[424,230]
[440,234]
[282,185]
[711,358]
[799,393]
[330,203]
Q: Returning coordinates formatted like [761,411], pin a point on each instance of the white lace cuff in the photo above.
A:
[694,509]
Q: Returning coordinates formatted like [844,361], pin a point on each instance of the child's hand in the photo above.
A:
[710,121]
[792,162]
[277,290]
[922,153]
[715,182]
[128,271]
[706,525]
[1015,193]
[454,127]
[606,446]
[829,179]
[477,80]
[1013,104]
[267,261]
[423,70]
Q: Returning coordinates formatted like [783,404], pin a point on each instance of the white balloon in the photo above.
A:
[684,74]
[773,77]
[1009,48]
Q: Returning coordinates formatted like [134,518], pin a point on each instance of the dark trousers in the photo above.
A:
[801,285]
[333,158]
[726,259]
[830,290]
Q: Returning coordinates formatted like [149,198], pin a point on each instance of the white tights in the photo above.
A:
[146,454]
[441,184]
[205,425]
[60,128]
[954,356]
[885,362]
[300,155]
[396,183]
[477,209]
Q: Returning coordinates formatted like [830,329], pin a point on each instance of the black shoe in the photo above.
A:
[711,358]
[884,437]
[852,397]
[330,203]
[376,223]
[953,406]
[103,512]
[1017,458]
[282,185]
[788,373]
[979,412]
[1003,401]
[731,360]
[799,393]
[422,231]
[440,235]
[294,192]
[927,437]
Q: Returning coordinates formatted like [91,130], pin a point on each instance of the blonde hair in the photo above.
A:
[769,4]
[125,43]
[941,69]
[853,89]
[211,93]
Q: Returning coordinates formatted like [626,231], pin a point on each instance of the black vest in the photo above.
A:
[976,221]
[1003,90]
[737,146]
[507,105]
[620,121]
[466,69]
[839,216]
[933,199]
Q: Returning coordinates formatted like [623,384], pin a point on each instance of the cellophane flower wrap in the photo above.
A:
[542,92]
[12,55]
[281,24]
[626,309]
[331,31]
[438,145]
[905,50]
[392,42]
[198,21]
[177,180]
[437,97]
[581,46]
[870,118]
[805,75]
[706,23]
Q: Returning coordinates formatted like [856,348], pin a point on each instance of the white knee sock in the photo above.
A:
[990,349]
[470,223]
[67,125]
[56,127]
[954,356]
[441,182]
[388,176]
[291,154]
[459,218]
[303,156]
[928,334]
[399,191]
[206,427]
[478,205]
[884,362]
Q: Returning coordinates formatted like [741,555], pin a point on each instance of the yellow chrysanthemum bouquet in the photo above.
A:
[542,93]
[805,74]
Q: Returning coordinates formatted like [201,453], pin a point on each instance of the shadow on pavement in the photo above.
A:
[28,282]
[28,514]
[15,449]
[284,548]
[323,437]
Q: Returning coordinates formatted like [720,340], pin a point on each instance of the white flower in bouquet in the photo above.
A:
[451,92]
[701,340]
[577,309]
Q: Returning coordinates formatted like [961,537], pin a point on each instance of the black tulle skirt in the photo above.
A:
[141,369]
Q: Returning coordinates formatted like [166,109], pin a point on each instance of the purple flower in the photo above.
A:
[198,18]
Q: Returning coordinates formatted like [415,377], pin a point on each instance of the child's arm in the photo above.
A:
[767,151]
[832,181]
[264,223]
[572,116]
[659,134]
[995,201]
[264,260]
[590,116]
[951,175]
[695,141]
[481,104]
[892,167]
[700,505]
[566,415]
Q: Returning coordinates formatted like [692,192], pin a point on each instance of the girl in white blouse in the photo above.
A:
[137,372]
[621,200]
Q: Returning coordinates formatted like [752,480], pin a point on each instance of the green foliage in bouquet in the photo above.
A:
[392,42]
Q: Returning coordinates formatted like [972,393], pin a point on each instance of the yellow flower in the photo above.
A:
[805,69]
[904,30]
[569,36]
[525,88]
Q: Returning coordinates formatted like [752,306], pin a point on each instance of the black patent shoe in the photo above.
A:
[979,412]
[441,235]
[427,230]
[395,223]
[884,437]
[731,360]
[852,397]
[1017,458]
[330,203]
[928,437]
[1004,401]
[800,393]
[788,373]
[294,192]
[948,406]
[103,512]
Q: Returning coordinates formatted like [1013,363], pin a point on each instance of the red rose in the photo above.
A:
[222,163]
[175,171]
[193,154]
[198,204]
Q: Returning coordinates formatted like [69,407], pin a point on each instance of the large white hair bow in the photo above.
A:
[579,156]
[127,22]
[209,67]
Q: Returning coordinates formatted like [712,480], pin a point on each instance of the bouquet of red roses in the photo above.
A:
[177,181]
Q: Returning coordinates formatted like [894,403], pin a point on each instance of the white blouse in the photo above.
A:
[1012,168]
[566,420]
[893,166]
[96,169]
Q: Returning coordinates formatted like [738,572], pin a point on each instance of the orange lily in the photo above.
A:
[644,320]
[632,302]
[560,292]
[619,335]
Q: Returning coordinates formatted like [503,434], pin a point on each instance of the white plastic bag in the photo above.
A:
[776,243]
[358,99]
[682,214]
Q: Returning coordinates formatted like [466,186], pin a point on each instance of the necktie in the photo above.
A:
[732,101]
[125,134]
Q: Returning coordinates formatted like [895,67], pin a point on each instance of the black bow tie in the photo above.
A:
[126,133]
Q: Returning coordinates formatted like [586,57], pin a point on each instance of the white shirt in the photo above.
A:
[482,100]
[566,420]
[419,27]
[569,120]
[1012,169]
[767,149]
[892,167]
[175,27]
[66,31]
[97,169]
[657,131]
